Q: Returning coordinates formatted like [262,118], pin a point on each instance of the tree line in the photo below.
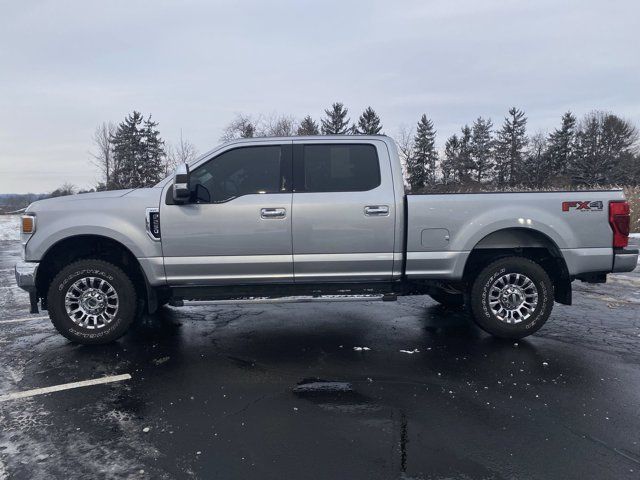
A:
[599,149]
[335,122]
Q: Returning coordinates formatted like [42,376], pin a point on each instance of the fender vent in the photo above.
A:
[153,223]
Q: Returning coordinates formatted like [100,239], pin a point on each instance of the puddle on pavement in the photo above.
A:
[334,395]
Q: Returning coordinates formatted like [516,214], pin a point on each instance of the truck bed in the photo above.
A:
[442,229]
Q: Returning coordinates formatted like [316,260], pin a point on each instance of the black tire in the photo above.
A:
[488,320]
[450,300]
[120,318]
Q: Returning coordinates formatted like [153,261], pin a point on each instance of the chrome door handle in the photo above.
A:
[376,210]
[273,213]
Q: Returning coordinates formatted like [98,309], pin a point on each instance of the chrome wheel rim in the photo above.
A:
[92,303]
[513,298]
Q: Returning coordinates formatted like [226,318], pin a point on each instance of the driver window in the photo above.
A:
[241,171]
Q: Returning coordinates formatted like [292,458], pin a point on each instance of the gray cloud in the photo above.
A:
[66,66]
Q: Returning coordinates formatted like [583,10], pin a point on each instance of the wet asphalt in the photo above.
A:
[290,391]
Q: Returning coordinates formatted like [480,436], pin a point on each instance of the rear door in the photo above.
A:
[343,211]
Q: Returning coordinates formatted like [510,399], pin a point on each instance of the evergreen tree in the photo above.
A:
[421,167]
[308,127]
[464,166]
[510,148]
[481,148]
[336,121]
[603,149]
[127,151]
[449,164]
[138,153]
[561,150]
[152,168]
[589,167]
[368,123]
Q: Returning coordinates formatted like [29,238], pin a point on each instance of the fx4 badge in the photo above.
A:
[587,206]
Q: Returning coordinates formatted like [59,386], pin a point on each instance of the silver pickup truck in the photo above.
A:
[274,218]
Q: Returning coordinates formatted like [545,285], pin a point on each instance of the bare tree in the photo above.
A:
[182,152]
[102,154]
[242,126]
[277,126]
[64,190]
[404,142]
[537,163]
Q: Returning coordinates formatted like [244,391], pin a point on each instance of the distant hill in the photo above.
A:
[10,202]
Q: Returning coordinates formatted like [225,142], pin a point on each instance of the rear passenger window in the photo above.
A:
[340,168]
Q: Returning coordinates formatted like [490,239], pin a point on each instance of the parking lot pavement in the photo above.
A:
[370,390]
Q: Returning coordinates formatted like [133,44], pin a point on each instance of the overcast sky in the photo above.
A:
[66,66]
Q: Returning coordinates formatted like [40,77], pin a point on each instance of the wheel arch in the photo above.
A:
[528,243]
[85,246]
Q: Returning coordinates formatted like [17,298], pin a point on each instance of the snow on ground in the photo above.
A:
[9,227]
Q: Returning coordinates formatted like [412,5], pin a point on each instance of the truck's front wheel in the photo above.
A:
[512,297]
[92,302]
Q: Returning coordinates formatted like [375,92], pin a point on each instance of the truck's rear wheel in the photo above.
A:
[511,298]
[92,302]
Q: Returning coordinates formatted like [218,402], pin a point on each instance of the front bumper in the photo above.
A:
[26,280]
[26,275]
[625,259]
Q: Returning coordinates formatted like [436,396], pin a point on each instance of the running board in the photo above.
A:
[302,299]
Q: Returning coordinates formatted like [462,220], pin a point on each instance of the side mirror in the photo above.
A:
[181,192]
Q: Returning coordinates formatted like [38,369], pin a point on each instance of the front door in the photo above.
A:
[343,211]
[239,231]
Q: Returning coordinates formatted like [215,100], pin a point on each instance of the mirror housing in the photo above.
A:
[180,187]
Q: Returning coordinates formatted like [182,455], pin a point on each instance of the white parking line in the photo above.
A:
[64,386]
[15,320]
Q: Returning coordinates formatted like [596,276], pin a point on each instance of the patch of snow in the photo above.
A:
[634,235]
[361,349]
[3,471]
[410,352]
[160,361]
[9,227]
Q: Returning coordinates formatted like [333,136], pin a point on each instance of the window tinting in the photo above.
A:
[340,168]
[241,171]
